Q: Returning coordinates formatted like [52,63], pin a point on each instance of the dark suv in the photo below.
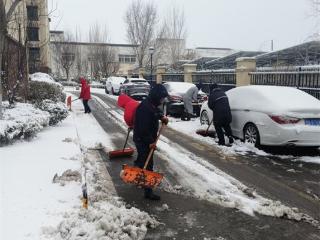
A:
[137,88]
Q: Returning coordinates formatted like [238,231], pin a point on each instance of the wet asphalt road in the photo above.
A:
[189,218]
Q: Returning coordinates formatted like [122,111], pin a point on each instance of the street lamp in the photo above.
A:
[151,50]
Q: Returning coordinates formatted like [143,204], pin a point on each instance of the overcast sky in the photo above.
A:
[238,24]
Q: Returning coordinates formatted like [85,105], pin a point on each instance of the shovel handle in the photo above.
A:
[152,150]
[125,144]
[209,125]
[75,100]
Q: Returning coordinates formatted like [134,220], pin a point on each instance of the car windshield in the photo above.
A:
[138,81]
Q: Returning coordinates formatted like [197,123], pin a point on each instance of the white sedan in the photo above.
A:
[113,85]
[272,115]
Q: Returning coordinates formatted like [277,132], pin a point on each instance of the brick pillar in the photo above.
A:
[160,71]
[245,65]
[188,70]
[142,71]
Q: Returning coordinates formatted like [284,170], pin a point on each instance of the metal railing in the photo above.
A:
[225,78]
[173,77]
[305,79]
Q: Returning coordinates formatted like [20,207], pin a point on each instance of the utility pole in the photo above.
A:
[271,45]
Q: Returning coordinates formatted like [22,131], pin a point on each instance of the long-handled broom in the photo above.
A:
[141,176]
[125,152]
[207,133]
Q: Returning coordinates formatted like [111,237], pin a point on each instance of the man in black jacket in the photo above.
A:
[146,127]
[219,104]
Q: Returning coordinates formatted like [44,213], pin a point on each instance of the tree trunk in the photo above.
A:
[3,31]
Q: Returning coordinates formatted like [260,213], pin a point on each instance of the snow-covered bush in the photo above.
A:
[39,91]
[22,121]
[58,111]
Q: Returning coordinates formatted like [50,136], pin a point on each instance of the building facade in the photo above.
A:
[29,26]
[92,60]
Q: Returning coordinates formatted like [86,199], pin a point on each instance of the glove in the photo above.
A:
[165,120]
[153,146]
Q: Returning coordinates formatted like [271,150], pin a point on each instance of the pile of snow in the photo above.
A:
[43,77]
[22,121]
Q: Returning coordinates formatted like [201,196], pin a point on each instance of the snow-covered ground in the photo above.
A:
[41,180]
[203,180]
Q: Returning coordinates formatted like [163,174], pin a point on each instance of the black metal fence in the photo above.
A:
[307,80]
[173,77]
[226,79]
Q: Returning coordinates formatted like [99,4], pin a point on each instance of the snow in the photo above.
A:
[273,99]
[40,187]
[23,118]
[201,179]
[43,77]
[179,87]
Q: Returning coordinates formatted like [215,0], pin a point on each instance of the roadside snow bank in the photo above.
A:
[22,121]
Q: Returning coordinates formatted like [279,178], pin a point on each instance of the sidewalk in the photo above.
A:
[33,207]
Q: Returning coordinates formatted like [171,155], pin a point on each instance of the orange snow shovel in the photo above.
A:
[125,152]
[207,133]
[142,177]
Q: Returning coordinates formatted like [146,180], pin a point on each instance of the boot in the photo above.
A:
[148,194]
[231,140]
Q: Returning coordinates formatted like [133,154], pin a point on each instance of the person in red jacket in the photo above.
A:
[130,106]
[85,95]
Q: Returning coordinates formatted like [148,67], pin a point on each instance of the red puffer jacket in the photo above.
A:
[85,90]
[130,106]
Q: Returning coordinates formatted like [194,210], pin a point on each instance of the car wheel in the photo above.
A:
[251,134]
[204,118]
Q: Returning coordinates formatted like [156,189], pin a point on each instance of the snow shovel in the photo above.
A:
[207,133]
[142,177]
[125,152]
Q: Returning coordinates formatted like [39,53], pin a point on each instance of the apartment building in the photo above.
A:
[29,27]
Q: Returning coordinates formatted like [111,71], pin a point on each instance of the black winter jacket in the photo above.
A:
[146,122]
[218,102]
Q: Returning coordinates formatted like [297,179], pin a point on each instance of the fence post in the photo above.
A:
[189,69]
[245,65]
[141,72]
[160,71]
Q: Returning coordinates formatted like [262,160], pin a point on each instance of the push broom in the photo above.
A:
[141,176]
[124,152]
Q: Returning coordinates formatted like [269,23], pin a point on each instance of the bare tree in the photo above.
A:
[141,20]
[5,17]
[102,55]
[175,34]
[65,53]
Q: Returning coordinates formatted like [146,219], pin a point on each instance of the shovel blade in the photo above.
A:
[140,177]
[206,133]
[127,152]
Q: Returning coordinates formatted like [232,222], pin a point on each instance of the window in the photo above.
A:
[34,54]
[127,58]
[32,12]
[33,34]
[34,60]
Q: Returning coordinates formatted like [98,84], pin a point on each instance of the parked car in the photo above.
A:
[174,104]
[272,115]
[137,88]
[113,85]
